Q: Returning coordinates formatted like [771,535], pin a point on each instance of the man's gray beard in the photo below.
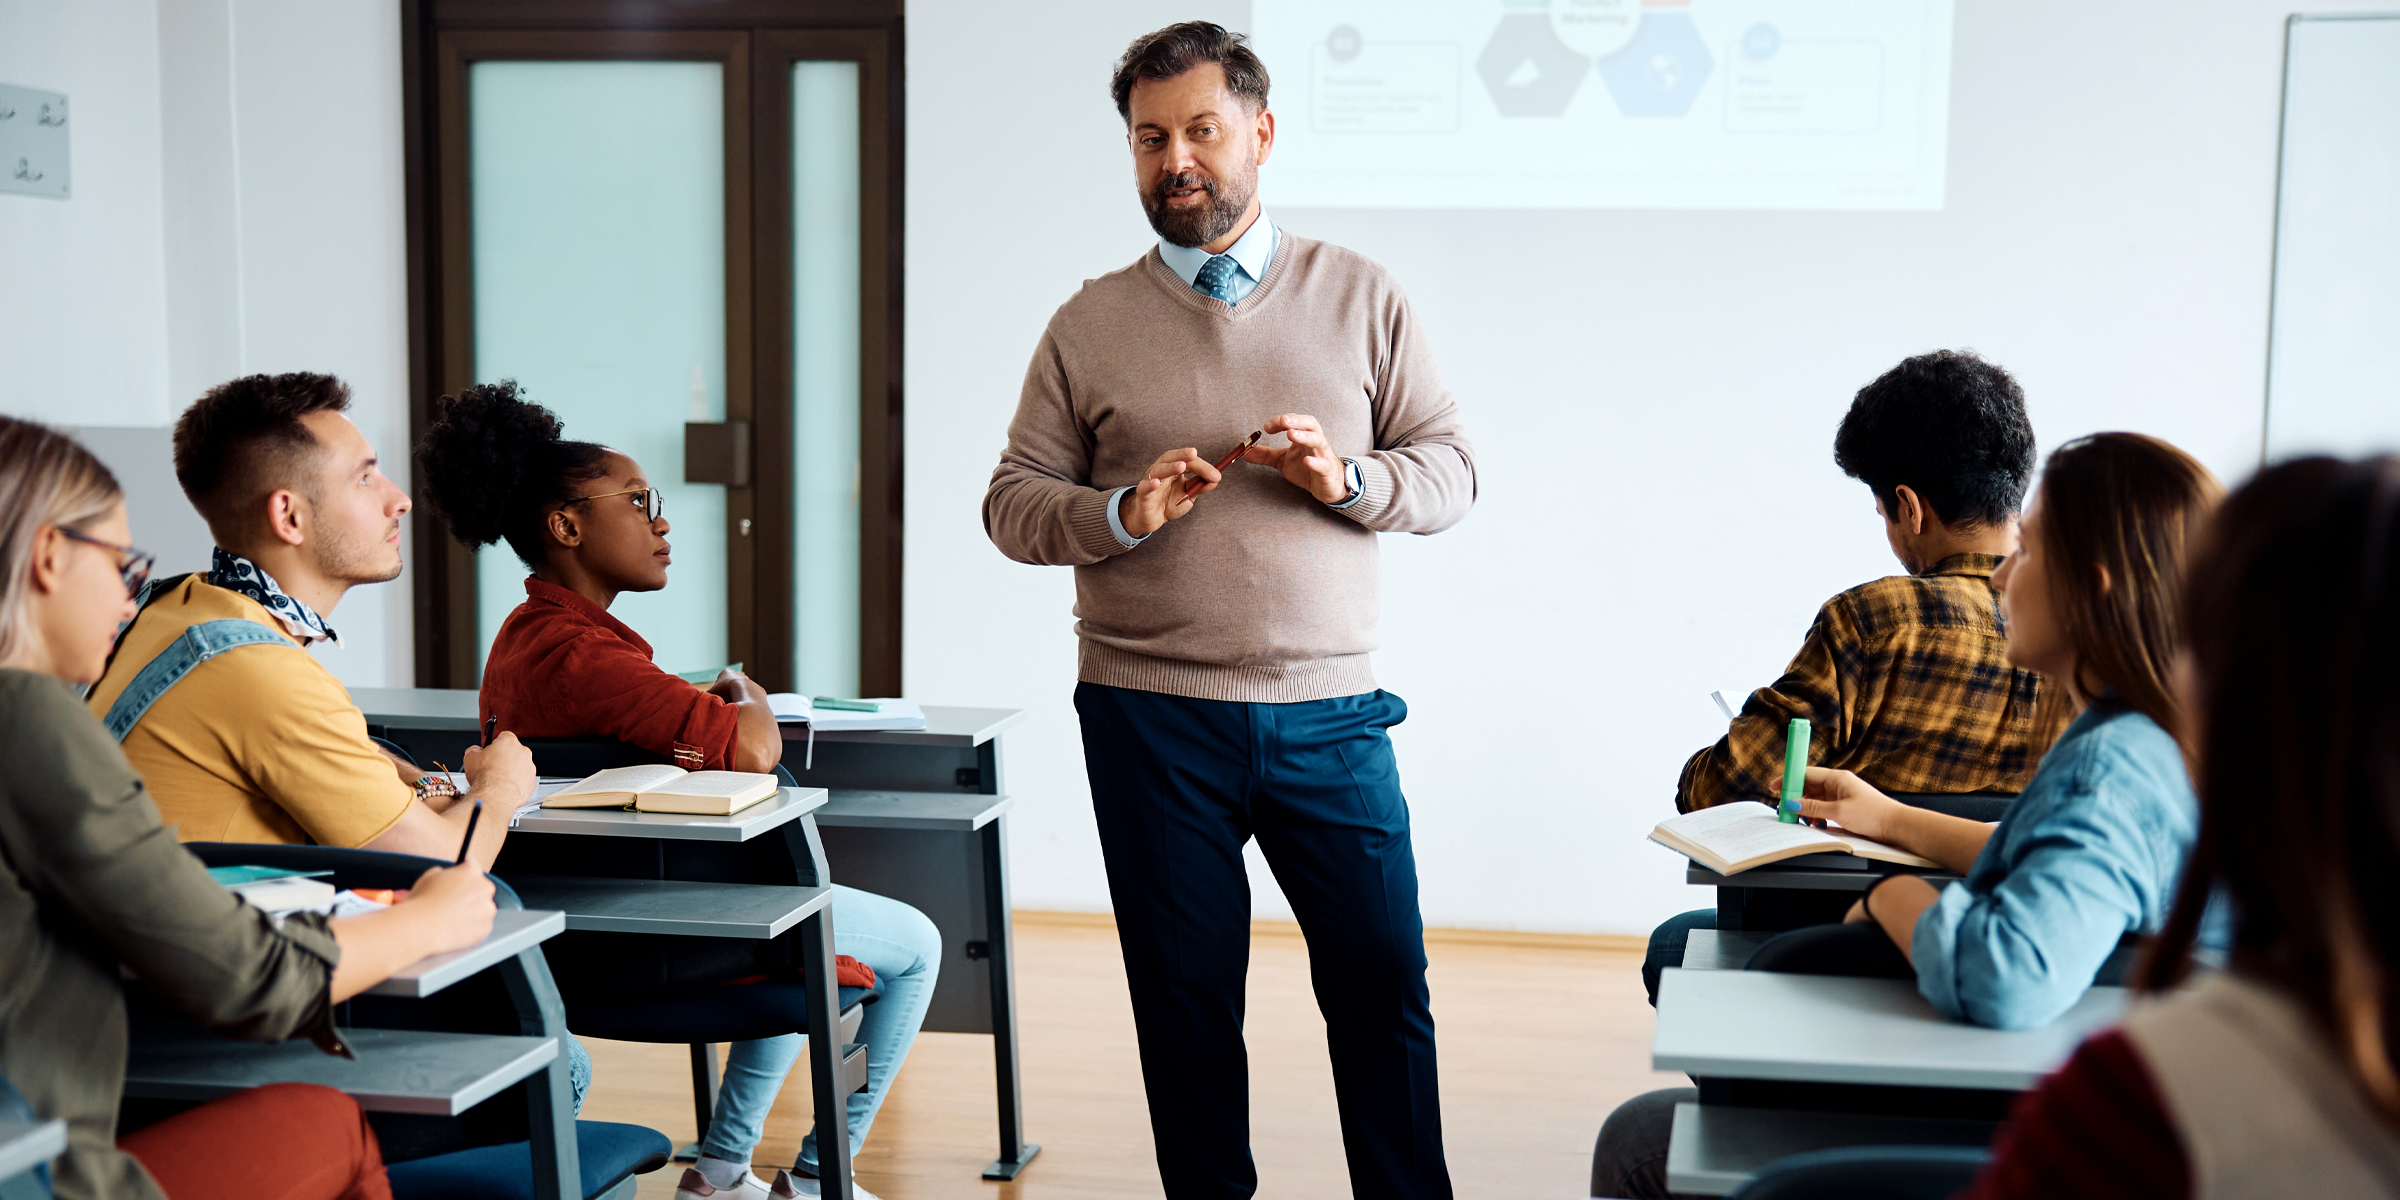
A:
[1199,227]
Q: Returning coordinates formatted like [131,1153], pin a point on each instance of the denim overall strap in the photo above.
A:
[198,644]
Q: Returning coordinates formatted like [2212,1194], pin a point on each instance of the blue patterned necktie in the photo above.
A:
[1216,277]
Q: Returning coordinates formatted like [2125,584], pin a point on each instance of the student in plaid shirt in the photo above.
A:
[1904,680]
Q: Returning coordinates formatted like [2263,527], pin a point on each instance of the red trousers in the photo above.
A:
[285,1141]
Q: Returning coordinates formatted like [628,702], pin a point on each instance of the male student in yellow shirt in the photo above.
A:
[241,734]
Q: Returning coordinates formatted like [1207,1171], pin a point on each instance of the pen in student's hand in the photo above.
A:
[1225,462]
[489,724]
[1795,770]
[469,840]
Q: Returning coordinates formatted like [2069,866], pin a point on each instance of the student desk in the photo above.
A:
[1886,1052]
[917,815]
[414,1071]
[26,1145]
[1747,901]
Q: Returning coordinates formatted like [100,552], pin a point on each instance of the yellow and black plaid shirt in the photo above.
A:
[1904,680]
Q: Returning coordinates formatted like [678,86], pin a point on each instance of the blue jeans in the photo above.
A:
[905,950]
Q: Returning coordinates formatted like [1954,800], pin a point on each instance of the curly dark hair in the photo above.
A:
[1169,52]
[1950,426]
[244,439]
[492,463]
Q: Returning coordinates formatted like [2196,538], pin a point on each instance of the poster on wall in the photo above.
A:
[1724,104]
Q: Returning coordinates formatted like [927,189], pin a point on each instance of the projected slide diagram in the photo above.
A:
[1796,104]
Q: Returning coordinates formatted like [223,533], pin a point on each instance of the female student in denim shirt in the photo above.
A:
[586,521]
[2092,849]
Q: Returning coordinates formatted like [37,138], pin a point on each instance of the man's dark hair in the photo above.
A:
[1169,52]
[244,439]
[1949,426]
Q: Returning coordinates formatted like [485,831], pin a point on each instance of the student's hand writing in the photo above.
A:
[1159,497]
[455,904]
[501,771]
[732,685]
[1309,463]
[1848,801]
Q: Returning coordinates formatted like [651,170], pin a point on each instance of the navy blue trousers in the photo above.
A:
[1179,785]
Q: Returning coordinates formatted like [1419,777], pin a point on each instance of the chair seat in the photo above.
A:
[609,1152]
[729,1013]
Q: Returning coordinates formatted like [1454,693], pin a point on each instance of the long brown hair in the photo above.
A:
[2130,506]
[46,479]
[2295,636]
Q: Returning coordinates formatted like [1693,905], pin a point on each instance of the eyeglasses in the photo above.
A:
[134,567]
[650,500]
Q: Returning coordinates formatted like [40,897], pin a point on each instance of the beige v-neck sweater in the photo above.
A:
[1261,592]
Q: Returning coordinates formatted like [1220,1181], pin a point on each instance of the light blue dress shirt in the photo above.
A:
[1251,253]
[2092,850]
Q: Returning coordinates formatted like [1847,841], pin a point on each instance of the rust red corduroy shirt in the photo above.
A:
[562,667]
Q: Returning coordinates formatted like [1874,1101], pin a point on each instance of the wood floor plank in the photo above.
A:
[1537,1044]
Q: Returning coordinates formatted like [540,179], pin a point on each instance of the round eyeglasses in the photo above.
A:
[132,565]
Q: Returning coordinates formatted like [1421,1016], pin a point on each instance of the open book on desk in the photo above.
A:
[792,708]
[1732,838]
[659,788]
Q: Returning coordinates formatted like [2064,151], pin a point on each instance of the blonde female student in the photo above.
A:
[2279,1076]
[2090,852]
[90,880]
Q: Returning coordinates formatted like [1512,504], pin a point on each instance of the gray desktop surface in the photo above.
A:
[455,708]
[24,1146]
[513,932]
[417,708]
[788,805]
[1815,879]
[672,907]
[1721,949]
[955,812]
[397,1070]
[1834,1029]
[1716,1148]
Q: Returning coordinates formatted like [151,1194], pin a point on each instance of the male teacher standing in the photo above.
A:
[1225,619]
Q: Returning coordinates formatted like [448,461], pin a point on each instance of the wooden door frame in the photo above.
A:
[756,40]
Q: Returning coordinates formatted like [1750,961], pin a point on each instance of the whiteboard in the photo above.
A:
[2333,343]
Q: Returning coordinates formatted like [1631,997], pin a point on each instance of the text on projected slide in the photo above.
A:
[1803,104]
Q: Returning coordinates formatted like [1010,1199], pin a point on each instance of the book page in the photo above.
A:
[727,784]
[1746,830]
[631,781]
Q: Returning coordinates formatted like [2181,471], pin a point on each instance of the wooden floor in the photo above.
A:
[1538,1042]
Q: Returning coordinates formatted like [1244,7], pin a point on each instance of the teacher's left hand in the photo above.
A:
[1309,462]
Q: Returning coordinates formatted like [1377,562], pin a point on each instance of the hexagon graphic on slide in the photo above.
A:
[1660,73]
[1527,71]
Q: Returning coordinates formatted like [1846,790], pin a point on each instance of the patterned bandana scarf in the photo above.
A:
[237,574]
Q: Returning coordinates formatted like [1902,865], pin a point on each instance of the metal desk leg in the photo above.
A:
[825,1057]
[550,1097]
[1000,944]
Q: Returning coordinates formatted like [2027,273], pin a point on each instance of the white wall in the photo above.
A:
[236,209]
[1652,394]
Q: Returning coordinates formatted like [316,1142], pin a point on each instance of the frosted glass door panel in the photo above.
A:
[825,399]
[598,209]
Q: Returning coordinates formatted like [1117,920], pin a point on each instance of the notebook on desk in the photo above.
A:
[1732,838]
[792,708]
[659,788]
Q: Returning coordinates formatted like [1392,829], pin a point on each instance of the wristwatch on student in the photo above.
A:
[430,786]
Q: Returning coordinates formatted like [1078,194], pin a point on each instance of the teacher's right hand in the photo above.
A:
[1159,497]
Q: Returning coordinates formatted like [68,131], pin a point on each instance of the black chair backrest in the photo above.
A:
[584,755]
[1856,950]
[1974,806]
[1868,1173]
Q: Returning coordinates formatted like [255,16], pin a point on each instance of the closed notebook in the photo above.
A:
[274,890]
[1731,838]
[660,788]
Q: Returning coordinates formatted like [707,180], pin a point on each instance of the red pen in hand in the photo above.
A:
[1226,461]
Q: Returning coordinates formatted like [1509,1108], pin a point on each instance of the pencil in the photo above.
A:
[473,816]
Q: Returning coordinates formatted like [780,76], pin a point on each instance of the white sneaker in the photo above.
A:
[788,1184]
[694,1186]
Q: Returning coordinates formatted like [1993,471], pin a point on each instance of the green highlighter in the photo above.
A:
[1795,770]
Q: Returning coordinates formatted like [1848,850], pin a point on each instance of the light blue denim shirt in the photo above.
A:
[2089,852]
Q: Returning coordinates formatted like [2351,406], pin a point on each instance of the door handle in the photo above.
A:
[717,452]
